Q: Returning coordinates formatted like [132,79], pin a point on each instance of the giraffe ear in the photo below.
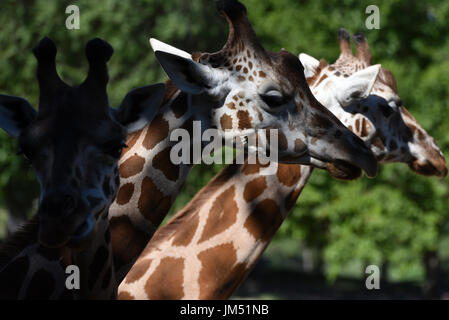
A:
[310,64]
[357,86]
[139,107]
[15,114]
[187,75]
[161,46]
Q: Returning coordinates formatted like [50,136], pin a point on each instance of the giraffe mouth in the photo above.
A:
[342,170]
[85,229]
[338,169]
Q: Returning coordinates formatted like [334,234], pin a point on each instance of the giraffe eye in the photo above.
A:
[274,99]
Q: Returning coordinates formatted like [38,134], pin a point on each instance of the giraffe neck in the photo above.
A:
[30,271]
[209,247]
[150,182]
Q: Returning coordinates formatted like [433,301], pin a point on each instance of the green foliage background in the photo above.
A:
[395,218]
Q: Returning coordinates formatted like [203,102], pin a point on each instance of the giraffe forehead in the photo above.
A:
[56,130]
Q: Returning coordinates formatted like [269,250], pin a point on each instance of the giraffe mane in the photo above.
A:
[16,242]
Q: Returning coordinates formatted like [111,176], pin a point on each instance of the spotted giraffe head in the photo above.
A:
[255,89]
[380,119]
[74,141]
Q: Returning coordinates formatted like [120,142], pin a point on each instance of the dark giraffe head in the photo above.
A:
[74,141]
[255,89]
[380,119]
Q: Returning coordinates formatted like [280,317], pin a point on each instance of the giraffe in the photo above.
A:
[380,120]
[208,248]
[73,143]
[238,90]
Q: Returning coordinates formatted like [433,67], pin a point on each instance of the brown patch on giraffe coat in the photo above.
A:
[138,270]
[244,119]
[127,241]
[366,127]
[125,194]
[254,188]
[169,272]
[163,163]
[184,236]
[299,145]
[131,141]
[385,76]
[125,295]
[262,74]
[321,79]
[250,168]
[153,205]
[226,122]
[132,166]
[222,215]
[264,220]
[357,125]
[378,143]
[216,279]
[313,79]
[231,105]
[157,131]
[170,91]
[283,142]
[289,174]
